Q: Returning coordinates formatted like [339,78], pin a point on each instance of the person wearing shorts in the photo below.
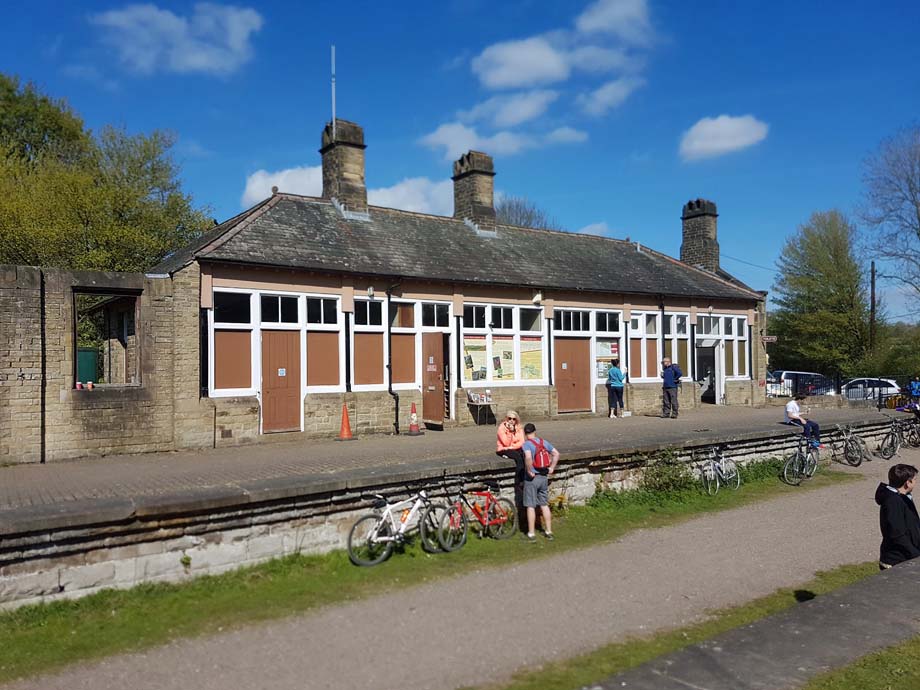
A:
[536,483]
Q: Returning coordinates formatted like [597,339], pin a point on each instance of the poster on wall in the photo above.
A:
[531,359]
[474,358]
[503,358]
[608,349]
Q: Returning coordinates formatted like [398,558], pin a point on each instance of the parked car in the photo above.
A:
[786,383]
[869,389]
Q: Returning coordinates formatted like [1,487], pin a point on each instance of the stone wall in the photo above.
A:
[120,543]
[21,329]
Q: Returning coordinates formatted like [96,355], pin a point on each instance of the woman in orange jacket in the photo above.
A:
[511,441]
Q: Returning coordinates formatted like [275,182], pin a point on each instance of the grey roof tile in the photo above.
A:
[309,233]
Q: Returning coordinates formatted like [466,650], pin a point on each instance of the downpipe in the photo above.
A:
[390,390]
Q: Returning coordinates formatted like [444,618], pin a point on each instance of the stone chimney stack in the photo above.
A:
[700,246]
[474,190]
[343,165]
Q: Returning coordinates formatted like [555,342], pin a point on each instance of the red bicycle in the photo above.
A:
[495,514]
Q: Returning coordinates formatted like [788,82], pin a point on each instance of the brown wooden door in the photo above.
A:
[433,378]
[573,374]
[280,381]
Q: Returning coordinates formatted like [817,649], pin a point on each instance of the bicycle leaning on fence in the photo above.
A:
[716,469]
[495,515]
[902,432]
[802,463]
[850,445]
[374,536]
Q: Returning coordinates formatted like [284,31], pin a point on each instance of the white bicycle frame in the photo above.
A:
[400,526]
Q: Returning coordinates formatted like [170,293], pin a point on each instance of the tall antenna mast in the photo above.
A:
[333,92]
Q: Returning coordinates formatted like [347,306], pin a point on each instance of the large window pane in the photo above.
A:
[360,313]
[681,325]
[329,311]
[231,307]
[442,315]
[729,323]
[270,310]
[729,357]
[651,324]
[288,309]
[531,358]
[474,358]
[232,359]
[314,310]
[503,358]
[530,320]
[402,315]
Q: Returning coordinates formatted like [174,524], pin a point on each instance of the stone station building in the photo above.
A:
[273,320]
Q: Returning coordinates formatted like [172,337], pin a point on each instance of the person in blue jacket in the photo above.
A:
[615,382]
[670,383]
[913,388]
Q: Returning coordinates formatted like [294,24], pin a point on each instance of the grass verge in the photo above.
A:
[39,639]
[895,667]
[587,669]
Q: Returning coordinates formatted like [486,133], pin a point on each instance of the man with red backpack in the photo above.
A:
[540,460]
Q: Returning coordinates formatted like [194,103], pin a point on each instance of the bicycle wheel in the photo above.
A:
[454,527]
[913,436]
[502,518]
[365,547]
[889,446]
[852,452]
[428,526]
[710,477]
[811,462]
[730,474]
[792,469]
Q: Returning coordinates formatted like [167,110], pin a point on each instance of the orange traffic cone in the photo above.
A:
[413,423]
[345,433]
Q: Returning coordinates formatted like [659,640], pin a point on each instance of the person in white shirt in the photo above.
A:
[794,416]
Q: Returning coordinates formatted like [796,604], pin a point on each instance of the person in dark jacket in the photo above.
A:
[898,518]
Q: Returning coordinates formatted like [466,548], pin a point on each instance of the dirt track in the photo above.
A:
[432,636]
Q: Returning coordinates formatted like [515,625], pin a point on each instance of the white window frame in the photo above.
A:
[255,345]
[515,333]
[381,329]
[675,339]
[605,335]
[641,335]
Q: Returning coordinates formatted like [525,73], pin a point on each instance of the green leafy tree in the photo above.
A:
[33,125]
[822,315]
[113,202]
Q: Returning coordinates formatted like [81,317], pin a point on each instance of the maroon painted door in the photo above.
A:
[433,378]
[572,372]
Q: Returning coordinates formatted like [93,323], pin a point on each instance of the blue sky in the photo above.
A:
[610,114]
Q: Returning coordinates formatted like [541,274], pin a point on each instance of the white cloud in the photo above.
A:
[525,62]
[416,194]
[412,194]
[511,109]
[609,96]
[215,39]
[628,20]
[715,136]
[455,139]
[600,228]
[566,135]
[591,58]
[306,180]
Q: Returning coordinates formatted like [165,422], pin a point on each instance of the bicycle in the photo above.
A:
[802,463]
[902,432]
[496,515]
[851,446]
[373,537]
[717,470]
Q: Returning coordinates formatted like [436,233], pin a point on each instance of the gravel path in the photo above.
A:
[433,636]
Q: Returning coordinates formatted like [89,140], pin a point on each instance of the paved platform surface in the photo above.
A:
[788,649]
[432,636]
[168,474]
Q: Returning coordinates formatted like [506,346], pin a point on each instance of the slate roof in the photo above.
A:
[308,233]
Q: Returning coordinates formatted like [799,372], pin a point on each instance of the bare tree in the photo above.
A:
[892,208]
[519,210]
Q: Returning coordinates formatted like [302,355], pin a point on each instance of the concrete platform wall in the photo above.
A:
[71,550]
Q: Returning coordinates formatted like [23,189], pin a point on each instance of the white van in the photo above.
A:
[784,383]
